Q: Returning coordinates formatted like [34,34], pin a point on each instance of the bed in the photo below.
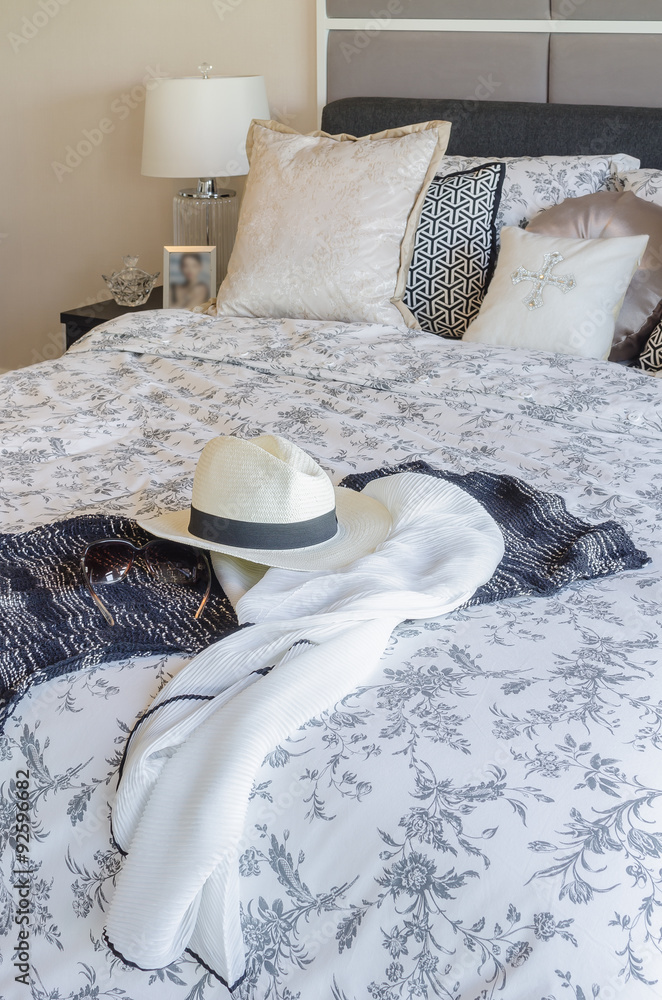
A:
[482,819]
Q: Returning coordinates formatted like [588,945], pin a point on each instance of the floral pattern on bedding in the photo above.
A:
[483,820]
[532,184]
[646,184]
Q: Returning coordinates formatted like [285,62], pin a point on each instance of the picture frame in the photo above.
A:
[189,276]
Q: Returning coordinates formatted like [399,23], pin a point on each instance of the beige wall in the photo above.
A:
[64,66]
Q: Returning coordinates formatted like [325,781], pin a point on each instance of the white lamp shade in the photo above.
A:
[197,128]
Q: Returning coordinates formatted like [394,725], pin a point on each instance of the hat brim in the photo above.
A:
[362,524]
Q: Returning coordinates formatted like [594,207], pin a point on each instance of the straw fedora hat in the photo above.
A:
[267,501]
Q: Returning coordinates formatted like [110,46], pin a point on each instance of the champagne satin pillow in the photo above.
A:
[327,225]
[605,215]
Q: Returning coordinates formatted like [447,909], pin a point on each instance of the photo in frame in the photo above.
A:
[189,276]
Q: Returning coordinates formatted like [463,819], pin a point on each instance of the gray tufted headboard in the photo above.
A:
[505,128]
[606,52]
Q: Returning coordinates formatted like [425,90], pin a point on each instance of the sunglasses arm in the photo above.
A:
[95,597]
[208,590]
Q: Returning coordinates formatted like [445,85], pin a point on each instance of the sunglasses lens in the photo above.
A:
[108,562]
[173,563]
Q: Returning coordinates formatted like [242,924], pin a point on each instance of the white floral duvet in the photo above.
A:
[484,819]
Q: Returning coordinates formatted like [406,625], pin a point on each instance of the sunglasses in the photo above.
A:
[169,562]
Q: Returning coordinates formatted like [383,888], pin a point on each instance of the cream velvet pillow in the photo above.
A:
[557,294]
[327,224]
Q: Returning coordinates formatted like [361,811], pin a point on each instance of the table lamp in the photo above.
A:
[197,127]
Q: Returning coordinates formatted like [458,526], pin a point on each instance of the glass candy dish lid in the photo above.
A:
[131,286]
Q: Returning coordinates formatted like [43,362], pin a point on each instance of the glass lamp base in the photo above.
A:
[200,221]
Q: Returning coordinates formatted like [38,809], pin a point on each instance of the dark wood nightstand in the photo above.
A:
[78,322]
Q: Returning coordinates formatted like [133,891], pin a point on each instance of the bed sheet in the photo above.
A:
[485,818]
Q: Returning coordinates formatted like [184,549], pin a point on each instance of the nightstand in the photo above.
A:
[78,322]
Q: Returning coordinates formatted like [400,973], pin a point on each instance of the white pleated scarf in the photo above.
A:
[182,799]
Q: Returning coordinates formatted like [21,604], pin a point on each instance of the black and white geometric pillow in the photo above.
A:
[650,358]
[455,249]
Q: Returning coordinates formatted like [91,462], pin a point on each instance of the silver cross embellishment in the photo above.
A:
[542,278]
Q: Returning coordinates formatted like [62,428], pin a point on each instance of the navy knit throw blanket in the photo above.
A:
[49,624]
[546,548]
